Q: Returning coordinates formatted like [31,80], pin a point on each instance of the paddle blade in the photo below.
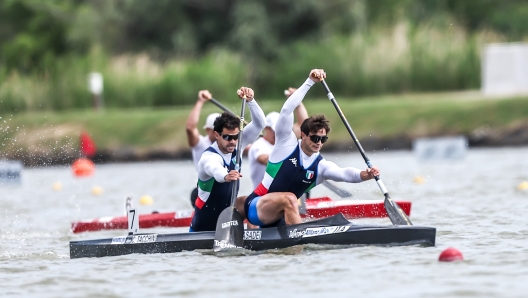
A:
[396,214]
[229,232]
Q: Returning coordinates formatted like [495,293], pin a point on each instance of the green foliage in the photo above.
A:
[159,53]
[32,32]
[374,62]
[427,58]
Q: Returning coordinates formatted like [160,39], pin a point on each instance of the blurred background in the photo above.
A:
[154,54]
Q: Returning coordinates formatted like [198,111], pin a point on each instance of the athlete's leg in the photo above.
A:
[251,226]
[239,205]
[272,206]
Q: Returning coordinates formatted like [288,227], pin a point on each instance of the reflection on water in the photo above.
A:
[474,203]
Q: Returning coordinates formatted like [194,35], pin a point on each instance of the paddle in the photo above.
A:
[229,231]
[224,108]
[396,215]
[337,190]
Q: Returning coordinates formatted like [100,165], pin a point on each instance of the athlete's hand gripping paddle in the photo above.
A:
[396,214]
[229,233]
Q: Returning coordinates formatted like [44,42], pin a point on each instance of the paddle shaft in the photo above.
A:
[238,149]
[337,190]
[345,122]
[229,232]
[395,213]
[225,109]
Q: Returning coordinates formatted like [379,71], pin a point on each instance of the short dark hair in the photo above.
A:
[314,124]
[226,120]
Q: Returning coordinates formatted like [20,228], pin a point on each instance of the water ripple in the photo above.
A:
[474,204]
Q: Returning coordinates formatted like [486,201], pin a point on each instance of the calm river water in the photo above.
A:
[474,203]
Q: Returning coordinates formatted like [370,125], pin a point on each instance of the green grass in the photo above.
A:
[416,115]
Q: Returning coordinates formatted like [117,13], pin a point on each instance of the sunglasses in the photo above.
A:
[229,137]
[316,139]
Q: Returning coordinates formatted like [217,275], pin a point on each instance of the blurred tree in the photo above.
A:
[32,32]
[506,16]
[252,33]
[96,23]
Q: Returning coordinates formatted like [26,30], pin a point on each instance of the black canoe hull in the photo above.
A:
[335,230]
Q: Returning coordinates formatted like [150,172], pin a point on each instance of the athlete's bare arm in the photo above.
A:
[263,159]
[193,135]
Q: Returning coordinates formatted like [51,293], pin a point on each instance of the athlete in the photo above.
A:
[197,142]
[260,150]
[295,166]
[216,168]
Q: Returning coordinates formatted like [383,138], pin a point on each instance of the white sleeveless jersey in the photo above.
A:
[258,148]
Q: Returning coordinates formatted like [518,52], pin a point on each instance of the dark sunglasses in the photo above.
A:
[316,139]
[229,137]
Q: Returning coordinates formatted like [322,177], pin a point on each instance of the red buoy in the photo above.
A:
[82,167]
[450,254]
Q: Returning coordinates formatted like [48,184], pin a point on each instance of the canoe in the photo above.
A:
[315,208]
[334,230]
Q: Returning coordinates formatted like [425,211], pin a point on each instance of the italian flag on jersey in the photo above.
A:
[204,191]
[271,172]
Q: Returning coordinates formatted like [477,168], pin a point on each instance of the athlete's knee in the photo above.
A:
[289,200]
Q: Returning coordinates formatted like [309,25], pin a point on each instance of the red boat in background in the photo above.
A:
[315,208]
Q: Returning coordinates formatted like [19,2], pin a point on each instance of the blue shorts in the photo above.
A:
[252,214]
[250,208]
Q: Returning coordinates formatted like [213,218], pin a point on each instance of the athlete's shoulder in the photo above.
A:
[209,153]
[203,142]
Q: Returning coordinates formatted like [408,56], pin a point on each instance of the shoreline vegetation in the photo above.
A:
[437,56]
[389,122]
[147,97]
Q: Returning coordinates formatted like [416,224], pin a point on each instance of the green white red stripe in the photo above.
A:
[204,191]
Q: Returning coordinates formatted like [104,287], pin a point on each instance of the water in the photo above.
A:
[474,204]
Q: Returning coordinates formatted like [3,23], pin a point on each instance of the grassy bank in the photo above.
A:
[141,130]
